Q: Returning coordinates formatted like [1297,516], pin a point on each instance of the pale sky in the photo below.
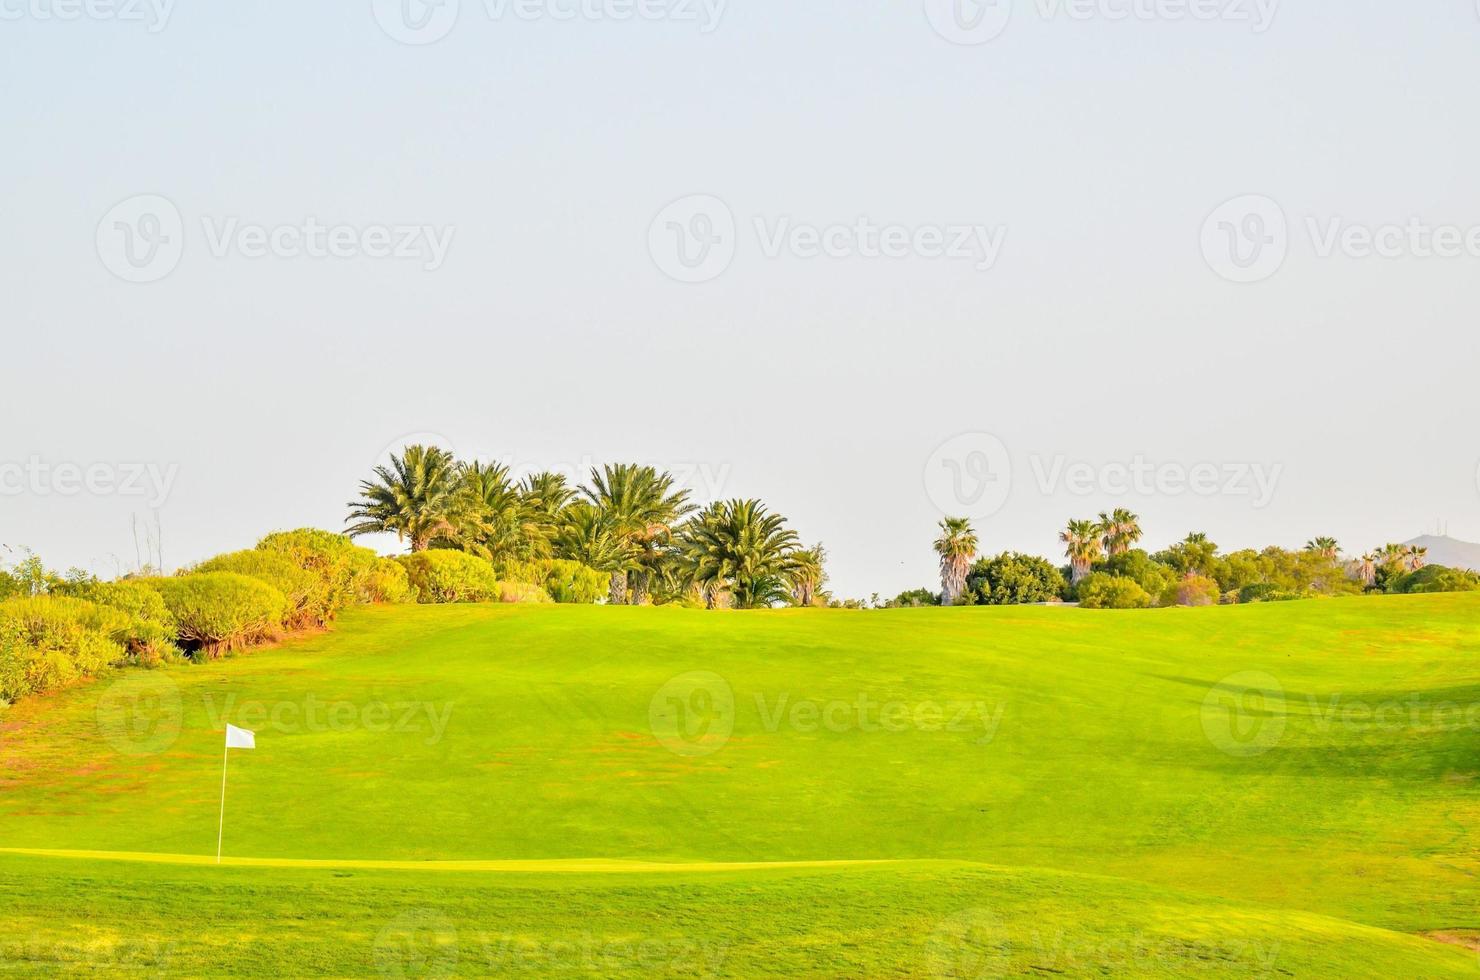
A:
[1051,192]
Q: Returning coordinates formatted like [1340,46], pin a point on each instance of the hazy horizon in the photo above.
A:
[869,264]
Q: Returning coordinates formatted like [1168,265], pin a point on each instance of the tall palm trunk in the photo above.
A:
[618,594]
[642,584]
[952,580]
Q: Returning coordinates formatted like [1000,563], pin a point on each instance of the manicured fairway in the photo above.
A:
[1047,790]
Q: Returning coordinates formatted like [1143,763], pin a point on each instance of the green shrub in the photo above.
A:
[1014,579]
[450,576]
[1192,590]
[47,642]
[1142,569]
[308,594]
[915,598]
[386,582]
[1437,578]
[522,592]
[1101,591]
[150,633]
[1266,592]
[344,567]
[222,611]
[566,581]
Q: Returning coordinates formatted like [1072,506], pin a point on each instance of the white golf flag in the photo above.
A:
[240,738]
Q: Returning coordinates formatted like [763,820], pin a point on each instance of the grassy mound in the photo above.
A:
[1134,793]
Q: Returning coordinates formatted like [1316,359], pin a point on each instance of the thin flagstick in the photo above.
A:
[221,827]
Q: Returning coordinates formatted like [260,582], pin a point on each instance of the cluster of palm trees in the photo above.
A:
[1404,558]
[629,521]
[1085,542]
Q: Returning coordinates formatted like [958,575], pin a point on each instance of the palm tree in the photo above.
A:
[415,497]
[956,547]
[739,548]
[643,508]
[1120,529]
[1367,568]
[1082,547]
[545,497]
[1416,557]
[1323,546]
[490,519]
[807,575]
[1393,554]
[586,535]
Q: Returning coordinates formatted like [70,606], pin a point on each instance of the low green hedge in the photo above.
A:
[521,592]
[218,612]
[450,576]
[346,569]
[1102,591]
[566,581]
[49,642]
[309,595]
[150,633]
[386,582]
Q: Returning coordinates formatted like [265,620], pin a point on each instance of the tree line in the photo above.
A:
[1105,569]
[628,521]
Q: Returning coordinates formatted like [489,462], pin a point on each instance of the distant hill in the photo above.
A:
[1449,551]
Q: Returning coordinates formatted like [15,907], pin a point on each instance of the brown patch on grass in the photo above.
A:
[1467,938]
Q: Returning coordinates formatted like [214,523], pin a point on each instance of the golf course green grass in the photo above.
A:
[1269,790]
